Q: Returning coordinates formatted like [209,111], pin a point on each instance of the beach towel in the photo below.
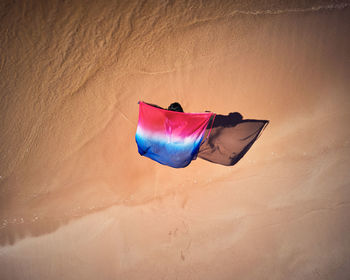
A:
[168,137]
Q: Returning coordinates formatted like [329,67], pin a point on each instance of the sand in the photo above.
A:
[78,202]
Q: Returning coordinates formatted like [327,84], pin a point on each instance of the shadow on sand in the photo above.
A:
[230,138]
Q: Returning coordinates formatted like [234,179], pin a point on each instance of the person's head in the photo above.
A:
[175,107]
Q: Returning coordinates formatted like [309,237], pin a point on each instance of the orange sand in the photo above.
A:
[78,202]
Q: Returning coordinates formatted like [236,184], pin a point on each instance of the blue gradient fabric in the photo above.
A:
[168,137]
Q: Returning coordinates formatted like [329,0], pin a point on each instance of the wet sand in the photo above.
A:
[78,202]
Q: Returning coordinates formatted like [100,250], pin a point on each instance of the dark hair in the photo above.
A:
[175,107]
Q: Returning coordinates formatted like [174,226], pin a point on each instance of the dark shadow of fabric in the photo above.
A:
[230,120]
[230,138]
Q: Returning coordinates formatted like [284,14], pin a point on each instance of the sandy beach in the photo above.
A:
[77,201]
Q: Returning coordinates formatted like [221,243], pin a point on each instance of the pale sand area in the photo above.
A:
[78,202]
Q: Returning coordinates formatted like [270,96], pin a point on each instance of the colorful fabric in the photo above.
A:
[168,137]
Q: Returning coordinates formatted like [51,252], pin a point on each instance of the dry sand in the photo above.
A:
[78,202]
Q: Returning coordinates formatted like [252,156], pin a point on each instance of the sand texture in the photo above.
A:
[78,202]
